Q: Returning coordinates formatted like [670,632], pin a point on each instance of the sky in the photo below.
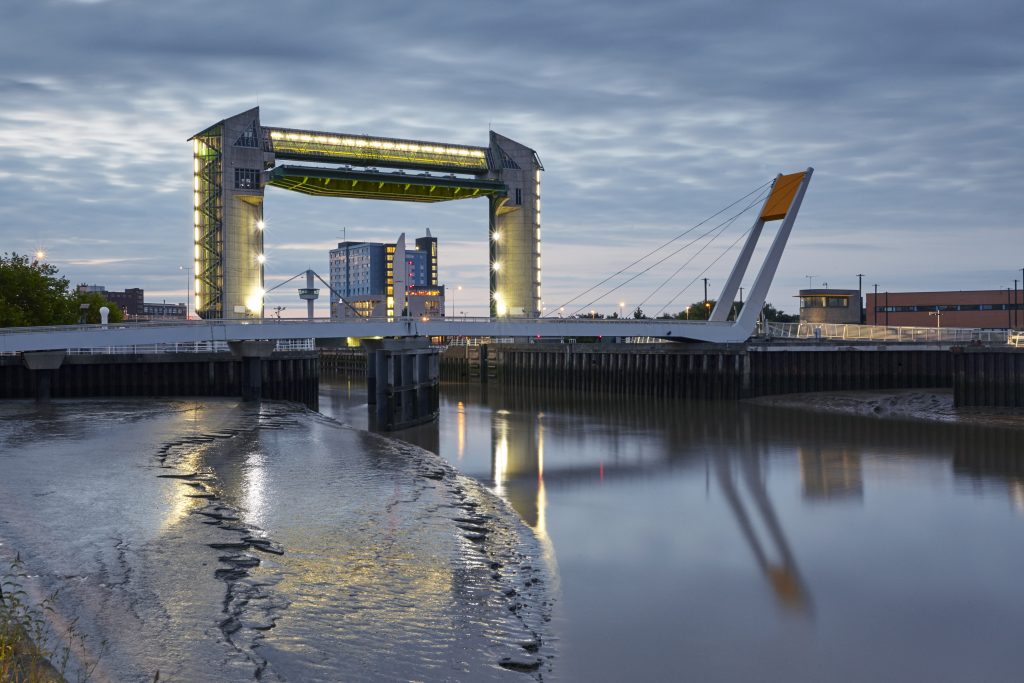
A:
[649,117]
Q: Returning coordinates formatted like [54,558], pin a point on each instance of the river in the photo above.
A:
[556,537]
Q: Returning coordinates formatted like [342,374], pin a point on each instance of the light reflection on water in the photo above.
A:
[741,542]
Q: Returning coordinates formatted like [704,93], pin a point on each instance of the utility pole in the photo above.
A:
[705,292]
[874,307]
[810,281]
[860,296]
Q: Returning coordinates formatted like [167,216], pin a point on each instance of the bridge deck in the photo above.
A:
[126,334]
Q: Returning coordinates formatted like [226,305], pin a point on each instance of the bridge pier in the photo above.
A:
[43,366]
[401,382]
[252,354]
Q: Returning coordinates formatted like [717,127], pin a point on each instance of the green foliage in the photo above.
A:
[33,293]
[774,315]
[96,301]
[29,650]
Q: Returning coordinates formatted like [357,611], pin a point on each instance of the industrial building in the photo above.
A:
[988,309]
[236,158]
[366,283]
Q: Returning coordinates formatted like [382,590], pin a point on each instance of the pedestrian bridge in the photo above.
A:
[20,339]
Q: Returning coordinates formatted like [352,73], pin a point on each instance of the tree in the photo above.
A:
[638,314]
[774,315]
[31,293]
[96,300]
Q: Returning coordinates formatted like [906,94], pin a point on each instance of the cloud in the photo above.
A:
[649,117]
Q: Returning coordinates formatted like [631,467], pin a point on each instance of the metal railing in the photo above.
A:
[882,333]
[187,347]
[1016,340]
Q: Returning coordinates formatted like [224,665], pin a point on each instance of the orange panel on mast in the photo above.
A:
[782,196]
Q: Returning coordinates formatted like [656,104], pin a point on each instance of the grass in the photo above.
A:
[30,652]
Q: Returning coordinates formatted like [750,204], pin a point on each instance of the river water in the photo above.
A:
[556,537]
[739,542]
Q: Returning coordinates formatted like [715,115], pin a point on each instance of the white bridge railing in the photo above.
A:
[882,333]
[189,347]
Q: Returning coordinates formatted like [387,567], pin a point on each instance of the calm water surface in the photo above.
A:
[738,542]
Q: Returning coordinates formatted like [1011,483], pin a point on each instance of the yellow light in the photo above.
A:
[496,266]
[197,234]
[195,200]
[496,235]
[260,225]
[195,167]
[261,258]
[255,301]
[195,264]
[195,183]
[198,285]
[197,252]
[195,146]
[199,301]
[195,218]
[40,254]
[275,134]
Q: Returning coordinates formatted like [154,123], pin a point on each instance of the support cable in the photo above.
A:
[720,227]
[662,246]
[688,261]
[701,273]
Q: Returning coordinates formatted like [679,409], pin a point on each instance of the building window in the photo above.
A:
[247,178]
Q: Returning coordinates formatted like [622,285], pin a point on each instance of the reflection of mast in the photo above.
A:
[783,572]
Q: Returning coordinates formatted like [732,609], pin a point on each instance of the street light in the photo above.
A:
[622,309]
[938,318]
[188,287]
[40,254]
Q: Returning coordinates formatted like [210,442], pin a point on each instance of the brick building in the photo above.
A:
[991,309]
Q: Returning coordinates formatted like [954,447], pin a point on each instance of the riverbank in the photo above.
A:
[219,541]
[934,405]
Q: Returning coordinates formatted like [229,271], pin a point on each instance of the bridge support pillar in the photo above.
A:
[252,354]
[44,365]
[401,382]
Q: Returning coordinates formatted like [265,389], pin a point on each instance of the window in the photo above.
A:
[247,179]
[519,196]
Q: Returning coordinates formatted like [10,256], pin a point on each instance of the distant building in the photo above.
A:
[164,311]
[992,309]
[366,283]
[132,303]
[830,306]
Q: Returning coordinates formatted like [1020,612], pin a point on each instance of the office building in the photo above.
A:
[366,283]
[826,305]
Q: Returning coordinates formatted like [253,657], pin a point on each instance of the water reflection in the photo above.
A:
[689,532]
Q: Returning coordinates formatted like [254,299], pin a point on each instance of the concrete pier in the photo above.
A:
[402,382]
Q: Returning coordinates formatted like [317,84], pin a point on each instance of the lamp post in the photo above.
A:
[810,281]
[622,309]
[705,291]
[938,318]
[188,287]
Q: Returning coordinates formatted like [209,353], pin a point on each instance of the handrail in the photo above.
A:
[853,332]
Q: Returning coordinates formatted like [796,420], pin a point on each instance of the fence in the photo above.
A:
[951,335]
